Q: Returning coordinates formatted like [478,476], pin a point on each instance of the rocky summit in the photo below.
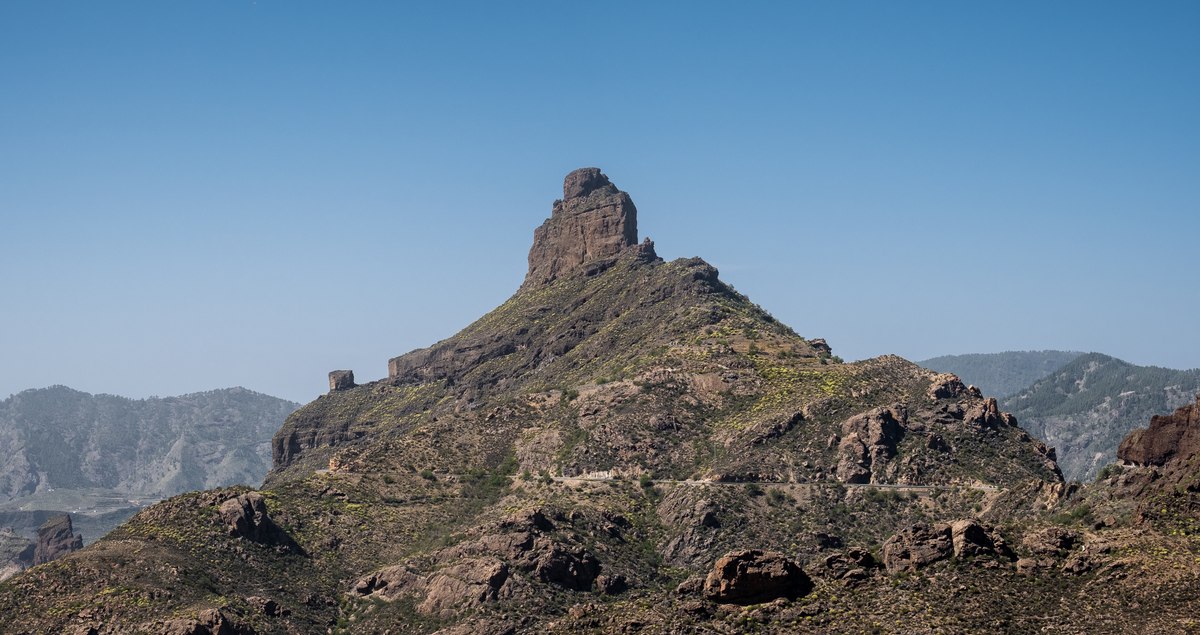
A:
[592,223]
[630,445]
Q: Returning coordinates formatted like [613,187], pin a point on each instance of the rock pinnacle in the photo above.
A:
[593,221]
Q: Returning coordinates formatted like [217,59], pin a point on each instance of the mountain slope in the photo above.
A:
[1001,374]
[66,440]
[582,457]
[1085,408]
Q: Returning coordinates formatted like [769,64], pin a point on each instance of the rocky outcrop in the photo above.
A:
[208,622]
[56,538]
[593,221]
[987,415]
[916,547]
[923,544]
[455,588]
[341,380]
[1176,435]
[246,517]
[868,442]
[969,539]
[695,521]
[948,386]
[1049,541]
[849,567]
[481,569]
[751,576]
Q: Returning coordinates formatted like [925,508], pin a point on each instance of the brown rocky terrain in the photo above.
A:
[1173,438]
[630,445]
[56,538]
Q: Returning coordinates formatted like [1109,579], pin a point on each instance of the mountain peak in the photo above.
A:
[593,222]
[582,182]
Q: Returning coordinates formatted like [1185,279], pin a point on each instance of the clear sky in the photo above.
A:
[197,195]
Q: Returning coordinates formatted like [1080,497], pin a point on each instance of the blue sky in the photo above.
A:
[204,194]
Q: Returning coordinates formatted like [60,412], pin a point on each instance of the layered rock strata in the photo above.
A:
[593,221]
[56,538]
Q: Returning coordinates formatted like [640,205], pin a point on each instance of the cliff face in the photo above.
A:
[1173,437]
[594,221]
[56,538]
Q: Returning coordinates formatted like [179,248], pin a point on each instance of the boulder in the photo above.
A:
[246,517]
[751,576]
[612,584]
[969,539]
[56,538]
[267,606]
[850,566]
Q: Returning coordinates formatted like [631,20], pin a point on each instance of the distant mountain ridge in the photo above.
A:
[57,440]
[1002,374]
[1086,407]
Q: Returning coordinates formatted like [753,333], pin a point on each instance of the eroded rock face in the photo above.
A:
[341,380]
[462,586]
[946,386]
[1049,541]
[917,546]
[850,567]
[868,442]
[593,221]
[923,544]
[751,576]
[987,414]
[696,520]
[208,622]
[1168,437]
[969,539]
[246,517]
[56,538]
[519,547]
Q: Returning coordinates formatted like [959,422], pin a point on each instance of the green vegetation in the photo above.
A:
[1002,374]
[1086,407]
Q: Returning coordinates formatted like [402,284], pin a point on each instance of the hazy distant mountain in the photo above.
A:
[1001,374]
[64,447]
[1085,408]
